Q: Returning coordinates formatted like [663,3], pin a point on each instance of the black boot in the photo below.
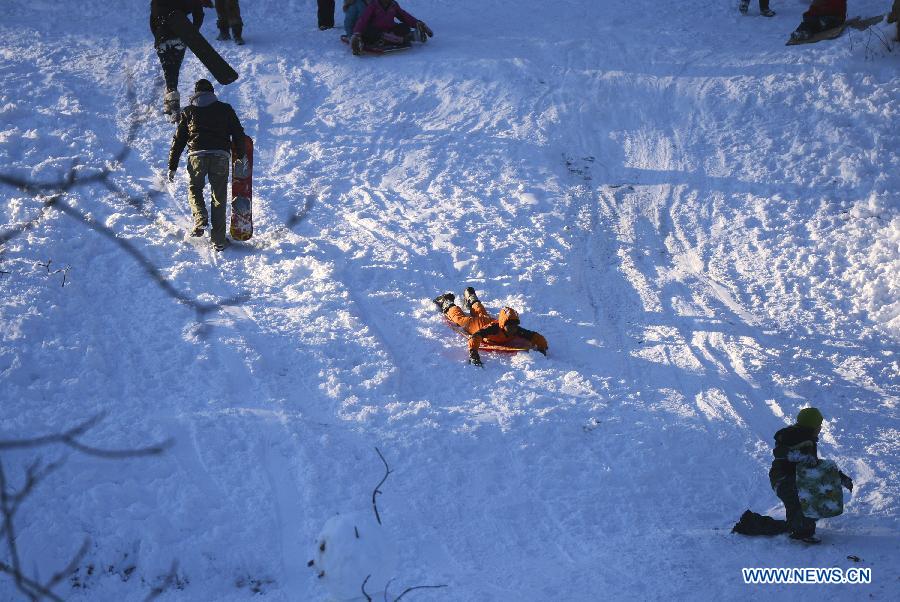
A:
[470,298]
[238,30]
[172,105]
[445,301]
[223,34]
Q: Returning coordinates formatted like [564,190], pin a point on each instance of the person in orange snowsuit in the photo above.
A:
[481,326]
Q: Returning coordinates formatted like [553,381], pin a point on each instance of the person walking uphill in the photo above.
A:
[481,326]
[169,47]
[796,445]
[208,128]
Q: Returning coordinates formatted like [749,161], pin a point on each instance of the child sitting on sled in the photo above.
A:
[822,15]
[378,24]
[483,327]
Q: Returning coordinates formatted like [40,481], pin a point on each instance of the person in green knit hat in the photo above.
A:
[796,444]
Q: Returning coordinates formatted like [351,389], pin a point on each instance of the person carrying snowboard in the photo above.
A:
[169,47]
[822,15]
[764,9]
[228,16]
[209,128]
[378,24]
[796,445]
[481,326]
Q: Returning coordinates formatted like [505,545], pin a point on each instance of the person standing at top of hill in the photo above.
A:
[326,14]
[378,23]
[228,16]
[822,15]
[764,9]
[169,47]
[481,326]
[209,128]
[794,445]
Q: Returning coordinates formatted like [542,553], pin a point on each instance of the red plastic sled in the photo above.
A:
[385,49]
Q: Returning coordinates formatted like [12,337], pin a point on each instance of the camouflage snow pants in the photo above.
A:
[215,167]
[799,525]
[171,53]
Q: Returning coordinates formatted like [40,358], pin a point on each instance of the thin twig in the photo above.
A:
[60,575]
[34,474]
[159,589]
[365,593]
[377,487]
[409,589]
[386,587]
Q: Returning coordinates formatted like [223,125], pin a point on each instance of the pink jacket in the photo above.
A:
[382,19]
[827,8]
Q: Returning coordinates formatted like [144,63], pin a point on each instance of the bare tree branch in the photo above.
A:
[69,438]
[409,589]
[159,589]
[377,487]
[36,472]
[75,431]
[62,574]
[387,586]
[39,590]
[368,597]
[8,529]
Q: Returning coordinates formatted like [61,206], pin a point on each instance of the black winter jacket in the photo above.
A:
[212,127]
[793,445]
[160,9]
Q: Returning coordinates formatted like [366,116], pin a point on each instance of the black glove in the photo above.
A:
[847,482]
[171,176]
[474,358]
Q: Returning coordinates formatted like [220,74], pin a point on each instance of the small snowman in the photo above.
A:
[355,549]
[352,549]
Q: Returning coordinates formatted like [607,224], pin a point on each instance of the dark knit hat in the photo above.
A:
[810,418]
[203,85]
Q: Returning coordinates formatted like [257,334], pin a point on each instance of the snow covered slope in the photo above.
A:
[704,223]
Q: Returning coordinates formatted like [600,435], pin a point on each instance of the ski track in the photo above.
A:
[652,208]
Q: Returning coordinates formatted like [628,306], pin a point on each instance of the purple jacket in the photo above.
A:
[382,19]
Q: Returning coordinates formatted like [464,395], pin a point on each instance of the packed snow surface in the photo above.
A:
[703,222]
